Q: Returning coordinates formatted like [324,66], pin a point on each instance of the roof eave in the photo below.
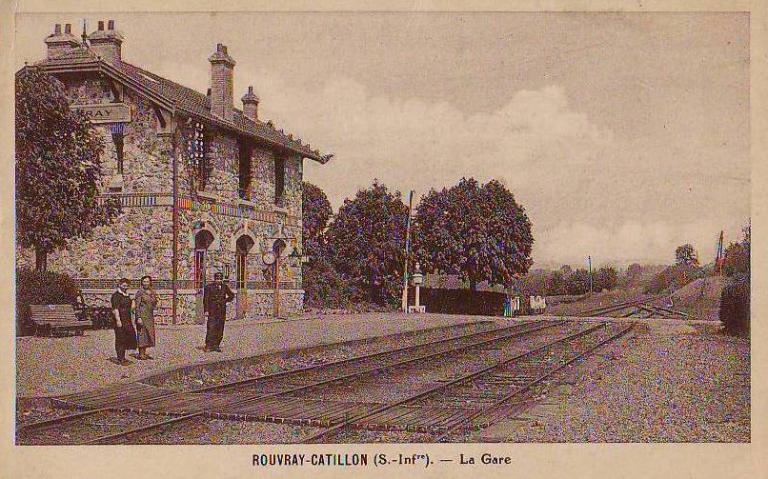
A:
[101,66]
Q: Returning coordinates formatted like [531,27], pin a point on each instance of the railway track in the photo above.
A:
[641,308]
[118,413]
[472,400]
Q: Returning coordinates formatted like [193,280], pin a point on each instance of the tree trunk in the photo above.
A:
[41,259]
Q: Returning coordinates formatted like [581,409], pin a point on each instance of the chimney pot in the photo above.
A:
[222,79]
[106,44]
[68,29]
[251,104]
[58,44]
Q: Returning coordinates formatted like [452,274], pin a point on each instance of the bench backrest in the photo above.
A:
[52,312]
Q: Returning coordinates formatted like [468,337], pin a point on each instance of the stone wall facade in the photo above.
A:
[140,240]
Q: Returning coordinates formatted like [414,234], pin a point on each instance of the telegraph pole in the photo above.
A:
[404,304]
[589,258]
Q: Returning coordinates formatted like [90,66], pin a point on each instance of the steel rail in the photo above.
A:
[343,425]
[250,399]
[44,424]
[501,402]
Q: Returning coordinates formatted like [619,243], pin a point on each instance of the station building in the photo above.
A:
[203,186]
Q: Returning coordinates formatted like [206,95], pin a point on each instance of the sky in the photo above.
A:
[622,135]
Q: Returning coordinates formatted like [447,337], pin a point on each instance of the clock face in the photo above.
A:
[268,257]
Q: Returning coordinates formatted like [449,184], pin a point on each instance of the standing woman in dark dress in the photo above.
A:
[125,334]
[146,301]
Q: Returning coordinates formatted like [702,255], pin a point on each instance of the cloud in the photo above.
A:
[409,143]
[585,190]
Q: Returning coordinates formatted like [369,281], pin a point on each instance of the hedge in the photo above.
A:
[735,307]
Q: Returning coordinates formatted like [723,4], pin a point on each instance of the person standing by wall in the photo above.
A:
[215,298]
[125,334]
[146,302]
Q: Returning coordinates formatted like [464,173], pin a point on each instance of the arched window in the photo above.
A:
[203,240]
[243,246]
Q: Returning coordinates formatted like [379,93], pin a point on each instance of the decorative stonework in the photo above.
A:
[140,240]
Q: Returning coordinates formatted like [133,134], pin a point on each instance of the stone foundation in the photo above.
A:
[260,304]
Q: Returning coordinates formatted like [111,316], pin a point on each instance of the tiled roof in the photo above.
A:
[75,57]
[186,99]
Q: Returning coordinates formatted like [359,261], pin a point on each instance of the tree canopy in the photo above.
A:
[366,242]
[686,255]
[738,255]
[477,232]
[316,211]
[58,168]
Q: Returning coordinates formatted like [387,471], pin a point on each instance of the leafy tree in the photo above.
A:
[686,255]
[58,168]
[316,212]
[634,270]
[477,232]
[556,283]
[324,287]
[738,255]
[577,282]
[606,278]
[366,242]
[534,283]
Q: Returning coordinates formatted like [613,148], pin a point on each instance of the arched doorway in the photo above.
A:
[243,246]
[203,240]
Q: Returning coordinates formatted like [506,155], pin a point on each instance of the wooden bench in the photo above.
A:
[56,319]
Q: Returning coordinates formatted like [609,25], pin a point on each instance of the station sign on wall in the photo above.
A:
[105,112]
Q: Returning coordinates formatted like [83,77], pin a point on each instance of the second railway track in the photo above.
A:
[127,411]
[475,399]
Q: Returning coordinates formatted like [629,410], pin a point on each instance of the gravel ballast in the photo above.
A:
[653,386]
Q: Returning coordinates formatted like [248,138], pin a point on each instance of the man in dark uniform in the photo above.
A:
[125,333]
[215,298]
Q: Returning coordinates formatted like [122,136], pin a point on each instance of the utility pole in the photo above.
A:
[404,304]
[720,256]
[589,258]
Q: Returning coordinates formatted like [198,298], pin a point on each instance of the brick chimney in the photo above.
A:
[222,73]
[251,104]
[106,43]
[59,43]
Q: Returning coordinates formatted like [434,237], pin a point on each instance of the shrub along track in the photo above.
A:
[122,412]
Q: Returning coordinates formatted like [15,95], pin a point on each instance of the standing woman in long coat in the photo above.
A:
[125,334]
[146,302]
